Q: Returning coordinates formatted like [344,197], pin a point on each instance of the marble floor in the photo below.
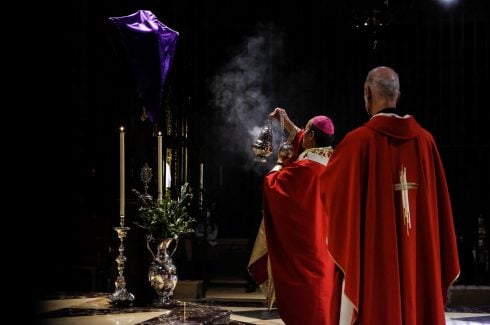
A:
[238,306]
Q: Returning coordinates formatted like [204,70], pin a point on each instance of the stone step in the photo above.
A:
[469,296]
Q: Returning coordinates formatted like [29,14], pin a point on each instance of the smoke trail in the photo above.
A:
[242,90]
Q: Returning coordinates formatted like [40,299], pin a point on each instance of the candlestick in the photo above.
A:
[201,176]
[122,190]
[160,168]
[121,297]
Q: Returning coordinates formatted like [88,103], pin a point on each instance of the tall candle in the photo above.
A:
[122,185]
[201,176]
[160,167]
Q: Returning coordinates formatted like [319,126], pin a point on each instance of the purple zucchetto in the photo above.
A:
[324,124]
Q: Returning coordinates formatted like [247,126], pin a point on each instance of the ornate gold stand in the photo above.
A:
[121,296]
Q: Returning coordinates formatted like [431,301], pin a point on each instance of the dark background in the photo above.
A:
[441,53]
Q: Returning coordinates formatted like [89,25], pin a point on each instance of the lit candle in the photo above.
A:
[122,191]
[201,176]
[160,167]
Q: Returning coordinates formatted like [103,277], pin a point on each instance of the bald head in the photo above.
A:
[385,81]
[381,89]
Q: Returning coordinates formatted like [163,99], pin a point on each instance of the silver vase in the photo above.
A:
[163,273]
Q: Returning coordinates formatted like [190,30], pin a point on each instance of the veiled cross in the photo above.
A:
[403,187]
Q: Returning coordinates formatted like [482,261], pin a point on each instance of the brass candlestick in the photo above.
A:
[121,296]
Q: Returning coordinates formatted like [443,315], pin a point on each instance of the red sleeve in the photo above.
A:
[297,145]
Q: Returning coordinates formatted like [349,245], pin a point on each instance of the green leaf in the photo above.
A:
[167,217]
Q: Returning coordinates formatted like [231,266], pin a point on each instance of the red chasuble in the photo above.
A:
[296,228]
[391,230]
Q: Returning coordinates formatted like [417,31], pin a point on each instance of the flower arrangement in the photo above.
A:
[165,218]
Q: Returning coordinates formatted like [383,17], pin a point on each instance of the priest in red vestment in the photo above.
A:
[295,227]
[391,231]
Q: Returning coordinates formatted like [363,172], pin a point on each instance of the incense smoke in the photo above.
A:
[243,89]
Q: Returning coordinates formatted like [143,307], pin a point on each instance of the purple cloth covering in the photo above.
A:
[150,46]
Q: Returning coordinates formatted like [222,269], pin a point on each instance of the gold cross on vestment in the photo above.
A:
[404,186]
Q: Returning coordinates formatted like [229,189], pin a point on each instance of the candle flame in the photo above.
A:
[159,132]
[121,128]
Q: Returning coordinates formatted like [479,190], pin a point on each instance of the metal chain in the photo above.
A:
[281,121]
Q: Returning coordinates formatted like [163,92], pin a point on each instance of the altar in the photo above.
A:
[97,309]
